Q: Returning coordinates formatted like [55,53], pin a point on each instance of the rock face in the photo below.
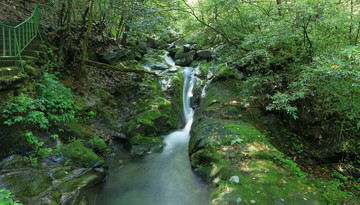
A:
[155,114]
[204,54]
[47,184]
[239,159]
[156,62]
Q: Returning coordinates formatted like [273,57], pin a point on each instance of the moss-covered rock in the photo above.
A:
[185,59]
[155,62]
[155,117]
[46,184]
[80,156]
[239,159]
[98,145]
[11,78]
[154,114]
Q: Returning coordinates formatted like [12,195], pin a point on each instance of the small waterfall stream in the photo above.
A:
[160,179]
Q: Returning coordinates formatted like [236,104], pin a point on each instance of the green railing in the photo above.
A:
[14,39]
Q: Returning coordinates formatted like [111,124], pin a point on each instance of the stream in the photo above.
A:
[159,179]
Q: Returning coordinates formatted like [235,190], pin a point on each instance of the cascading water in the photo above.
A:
[160,179]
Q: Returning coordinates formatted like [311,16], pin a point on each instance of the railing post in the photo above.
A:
[16,50]
[9,41]
[16,39]
[4,41]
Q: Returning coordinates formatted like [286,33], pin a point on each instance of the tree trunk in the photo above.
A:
[125,35]
[278,2]
[122,68]
[82,71]
[119,29]
[351,23]
[68,14]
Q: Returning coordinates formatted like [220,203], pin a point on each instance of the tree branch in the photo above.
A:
[123,68]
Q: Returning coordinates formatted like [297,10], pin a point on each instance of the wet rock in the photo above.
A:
[142,48]
[46,184]
[180,53]
[156,62]
[115,56]
[80,156]
[112,57]
[204,55]
[11,78]
[185,59]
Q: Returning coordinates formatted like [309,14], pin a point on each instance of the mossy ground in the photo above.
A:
[242,163]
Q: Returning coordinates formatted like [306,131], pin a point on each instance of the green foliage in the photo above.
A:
[291,165]
[54,104]
[236,140]
[6,198]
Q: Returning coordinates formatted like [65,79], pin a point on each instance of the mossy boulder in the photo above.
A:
[115,56]
[184,59]
[180,53]
[153,118]
[155,62]
[26,183]
[142,48]
[80,156]
[46,184]
[203,55]
[240,160]
[97,144]
[11,78]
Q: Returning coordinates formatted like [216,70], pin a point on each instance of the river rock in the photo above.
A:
[186,59]
[112,57]
[156,62]
[204,55]
[80,156]
[142,48]
[115,56]
[45,184]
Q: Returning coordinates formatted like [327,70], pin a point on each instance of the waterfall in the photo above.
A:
[182,136]
[164,178]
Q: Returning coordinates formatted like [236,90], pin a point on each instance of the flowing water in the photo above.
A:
[160,179]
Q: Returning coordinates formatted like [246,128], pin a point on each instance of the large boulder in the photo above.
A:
[116,56]
[80,156]
[155,62]
[240,160]
[154,118]
[47,184]
[204,55]
[186,59]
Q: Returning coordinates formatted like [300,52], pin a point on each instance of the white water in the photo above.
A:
[159,179]
[169,60]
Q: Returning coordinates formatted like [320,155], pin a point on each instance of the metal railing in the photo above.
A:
[14,39]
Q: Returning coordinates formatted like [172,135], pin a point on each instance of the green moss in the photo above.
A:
[82,181]
[98,145]
[28,183]
[60,172]
[250,159]
[12,70]
[331,192]
[7,80]
[80,131]
[80,155]
[155,116]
